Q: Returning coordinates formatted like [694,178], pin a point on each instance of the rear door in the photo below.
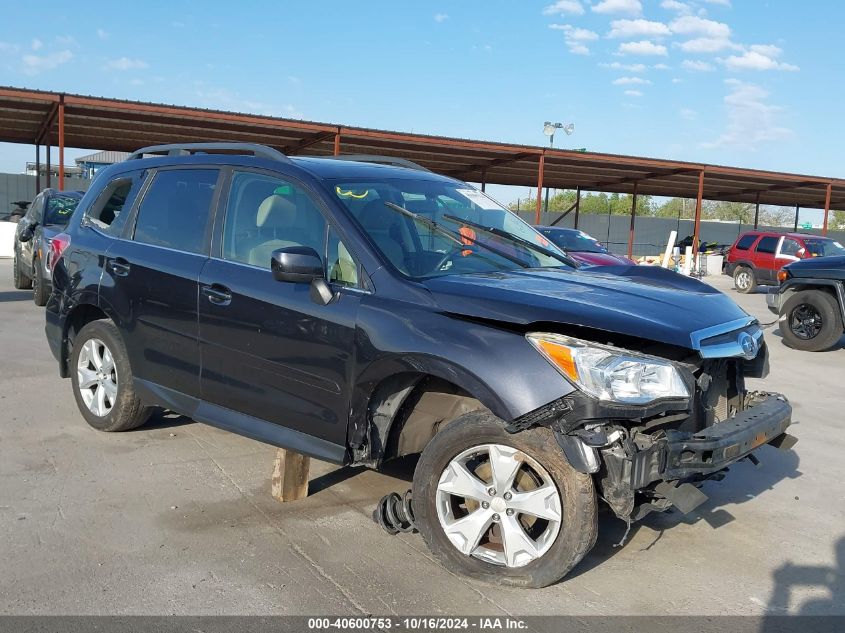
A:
[151,276]
[269,350]
[787,252]
[764,258]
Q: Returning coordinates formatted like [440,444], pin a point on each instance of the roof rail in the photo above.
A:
[186,149]
[381,160]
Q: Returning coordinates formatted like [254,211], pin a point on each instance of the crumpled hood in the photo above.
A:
[648,302]
[599,259]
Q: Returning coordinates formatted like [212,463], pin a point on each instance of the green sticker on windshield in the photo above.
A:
[282,190]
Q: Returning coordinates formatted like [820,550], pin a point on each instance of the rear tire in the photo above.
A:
[811,321]
[20,279]
[102,379]
[745,281]
[39,287]
[569,497]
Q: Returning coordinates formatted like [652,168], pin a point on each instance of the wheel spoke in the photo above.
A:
[87,377]
[458,480]
[101,401]
[504,464]
[110,390]
[518,546]
[466,532]
[542,502]
[96,356]
[108,361]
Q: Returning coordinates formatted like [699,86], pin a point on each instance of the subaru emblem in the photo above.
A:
[748,345]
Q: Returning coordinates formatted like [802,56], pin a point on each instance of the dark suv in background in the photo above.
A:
[47,216]
[358,312]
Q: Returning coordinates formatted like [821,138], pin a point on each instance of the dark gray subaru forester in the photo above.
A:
[358,312]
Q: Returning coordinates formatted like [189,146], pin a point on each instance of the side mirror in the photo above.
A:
[27,233]
[296,264]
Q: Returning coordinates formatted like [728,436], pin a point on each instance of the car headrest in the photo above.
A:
[375,215]
[276,211]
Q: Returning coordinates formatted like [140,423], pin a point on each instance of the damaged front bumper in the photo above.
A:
[643,471]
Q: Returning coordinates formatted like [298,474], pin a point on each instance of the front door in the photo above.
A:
[764,258]
[268,350]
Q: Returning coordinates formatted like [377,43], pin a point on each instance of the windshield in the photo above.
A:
[434,228]
[824,248]
[59,209]
[575,241]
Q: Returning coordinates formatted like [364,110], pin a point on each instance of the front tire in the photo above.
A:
[102,379]
[39,287]
[812,321]
[745,281]
[500,507]
[20,279]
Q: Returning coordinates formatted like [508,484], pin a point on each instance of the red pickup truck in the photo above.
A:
[757,256]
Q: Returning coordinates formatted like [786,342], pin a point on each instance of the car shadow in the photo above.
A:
[742,484]
[163,419]
[798,578]
[839,345]
[15,295]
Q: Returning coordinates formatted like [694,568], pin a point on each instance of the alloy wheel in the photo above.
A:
[97,377]
[743,280]
[497,504]
[805,321]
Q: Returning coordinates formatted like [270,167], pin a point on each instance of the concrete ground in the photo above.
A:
[176,517]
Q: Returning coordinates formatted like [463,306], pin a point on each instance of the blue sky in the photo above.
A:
[739,82]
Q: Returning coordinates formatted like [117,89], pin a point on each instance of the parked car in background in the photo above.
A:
[811,303]
[583,248]
[757,256]
[360,312]
[47,216]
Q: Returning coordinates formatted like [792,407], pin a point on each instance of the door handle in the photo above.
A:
[119,267]
[217,294]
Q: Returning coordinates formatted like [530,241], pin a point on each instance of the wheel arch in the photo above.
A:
[833,287]
[79,316]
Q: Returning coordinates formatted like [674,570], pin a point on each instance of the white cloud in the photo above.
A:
[576,37]
[697,66]
[441,17]
[751,120]
[661,67]
[637,28]
[688,114]
[707,45]
[677,81]
[66,40]
[564,6]
[124,63]
[102,34]
[37,44]
[633,7]
[724,3]
[755,60]
[643,47]
[694,25]
[633,93]
[674,5]
[34,64]
[631,81]
[634,68]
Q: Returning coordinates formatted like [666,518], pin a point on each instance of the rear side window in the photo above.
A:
[790,247]
[767,244]
[745,242]
[175,210]
[109,212]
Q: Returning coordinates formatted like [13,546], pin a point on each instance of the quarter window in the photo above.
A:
[265,213]
[767,245]
[745,242]
[175,210]
[790,247]
[111,208]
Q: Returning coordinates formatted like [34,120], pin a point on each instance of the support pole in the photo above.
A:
[827,207]
[540,186]
[290,476]
[483,179]
[62,144]
[756,212]
[49,167]
[337,143]
[797,212]
[697,226]
[633,221]
[577,204]
[37,169]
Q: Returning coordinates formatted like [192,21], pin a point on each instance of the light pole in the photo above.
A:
[549,130]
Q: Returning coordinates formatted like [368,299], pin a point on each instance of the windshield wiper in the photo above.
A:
[457,238]
[492,230]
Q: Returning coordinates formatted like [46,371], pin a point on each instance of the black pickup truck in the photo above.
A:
[811,302]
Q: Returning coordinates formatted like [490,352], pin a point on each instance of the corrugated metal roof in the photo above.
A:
[107,157]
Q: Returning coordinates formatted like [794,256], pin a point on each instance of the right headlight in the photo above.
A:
[610,374]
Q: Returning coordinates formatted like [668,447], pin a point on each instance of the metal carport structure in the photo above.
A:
[69,120]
